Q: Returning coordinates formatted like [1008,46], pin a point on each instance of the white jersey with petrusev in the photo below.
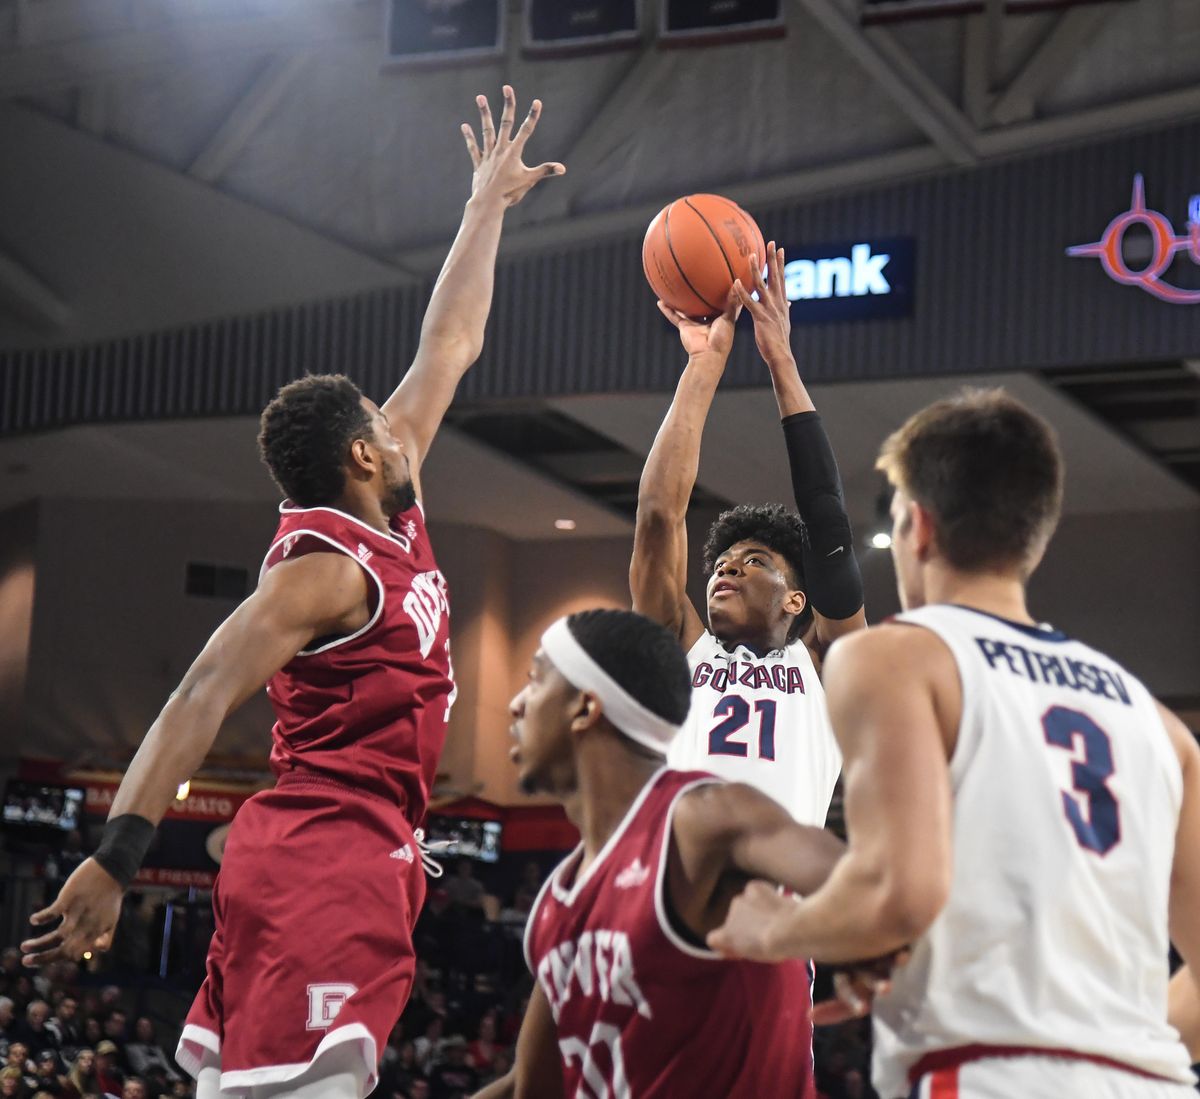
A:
[761,720]
[1067,791]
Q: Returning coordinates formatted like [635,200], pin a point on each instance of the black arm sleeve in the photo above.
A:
[835,587]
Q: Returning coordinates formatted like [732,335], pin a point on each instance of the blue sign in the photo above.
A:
[859,280]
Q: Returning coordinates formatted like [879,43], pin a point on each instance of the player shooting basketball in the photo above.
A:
[321,882]
[1018,806]
[782,586]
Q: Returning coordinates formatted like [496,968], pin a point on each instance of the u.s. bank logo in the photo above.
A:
[1164,246]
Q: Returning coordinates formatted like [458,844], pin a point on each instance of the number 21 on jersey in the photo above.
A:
[724,738]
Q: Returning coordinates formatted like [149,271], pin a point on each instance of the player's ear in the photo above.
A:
[795,602]
[363,460]
[924,530]
[587,712]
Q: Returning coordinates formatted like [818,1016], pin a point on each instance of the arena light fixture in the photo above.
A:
[564,524]
[881,540]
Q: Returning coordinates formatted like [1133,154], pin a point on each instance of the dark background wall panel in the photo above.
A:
[994,291]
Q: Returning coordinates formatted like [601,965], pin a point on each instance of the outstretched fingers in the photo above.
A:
[472,145]
[528,126]
[486,124]
[508,115]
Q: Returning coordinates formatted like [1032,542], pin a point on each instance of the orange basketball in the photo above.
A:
[695,248]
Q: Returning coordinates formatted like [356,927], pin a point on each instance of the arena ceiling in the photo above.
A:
[285,110]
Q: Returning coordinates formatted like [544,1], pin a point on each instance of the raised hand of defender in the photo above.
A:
[87,907]
[698,337]
[772,311]
[499,169]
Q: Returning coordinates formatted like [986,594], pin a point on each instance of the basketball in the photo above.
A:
[695,248]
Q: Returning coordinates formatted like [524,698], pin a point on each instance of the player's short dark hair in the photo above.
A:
[305,433]
[772,525]
[989,471]
[645,659]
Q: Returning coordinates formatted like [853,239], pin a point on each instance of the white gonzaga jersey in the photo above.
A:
[1067,792]
[760,720]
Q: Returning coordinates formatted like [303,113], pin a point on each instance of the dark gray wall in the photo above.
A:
[995,291]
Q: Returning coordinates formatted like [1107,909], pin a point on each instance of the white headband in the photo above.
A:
[621,708]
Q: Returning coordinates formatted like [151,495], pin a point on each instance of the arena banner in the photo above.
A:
[190,841]
[886,11]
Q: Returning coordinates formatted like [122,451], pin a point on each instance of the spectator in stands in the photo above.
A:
[8,1017]
[464,888]
[144,1053]
[134,1088]
[108,1075]
[49,1074]
[12,1085]
[481,1053]
[427,1045]
[419,1089]
[32,1029]
[115,1031]
[453,1078]
[93,1032]
[18,1058]
[64,1026]
[81,1079]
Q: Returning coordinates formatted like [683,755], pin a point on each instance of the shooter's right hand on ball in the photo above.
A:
[499,170]
[89,905]
[700,337]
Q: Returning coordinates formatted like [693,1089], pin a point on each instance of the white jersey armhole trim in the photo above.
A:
[567,896]
[968,703]
[361,564]
[660,881]
[537,907]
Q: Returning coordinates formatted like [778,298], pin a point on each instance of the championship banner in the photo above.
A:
[190,841]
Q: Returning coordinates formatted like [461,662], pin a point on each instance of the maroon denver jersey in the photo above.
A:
[369,709]
[642,1012]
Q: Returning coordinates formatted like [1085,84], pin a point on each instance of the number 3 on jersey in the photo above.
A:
[736,712]
[1098,828]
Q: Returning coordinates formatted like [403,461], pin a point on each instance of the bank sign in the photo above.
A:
[856,280]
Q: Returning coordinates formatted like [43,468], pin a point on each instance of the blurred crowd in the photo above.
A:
[64,1034]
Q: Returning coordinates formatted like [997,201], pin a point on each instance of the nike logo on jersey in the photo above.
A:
[834,552]
[404,853]
[632,876]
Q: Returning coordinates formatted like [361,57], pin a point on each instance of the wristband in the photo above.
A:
[124,844]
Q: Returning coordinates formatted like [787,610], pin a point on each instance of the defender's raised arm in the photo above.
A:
[452,332]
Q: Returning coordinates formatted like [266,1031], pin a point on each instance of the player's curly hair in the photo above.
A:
[780,530]
[305,432]
[645,659]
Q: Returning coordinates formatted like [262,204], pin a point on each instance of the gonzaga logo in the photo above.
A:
[1165,245]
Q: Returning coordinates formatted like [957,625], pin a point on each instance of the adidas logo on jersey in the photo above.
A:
[364,554]
[404,853]
[632,876]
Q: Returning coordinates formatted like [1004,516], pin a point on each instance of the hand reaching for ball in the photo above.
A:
[499,169]
[770,309]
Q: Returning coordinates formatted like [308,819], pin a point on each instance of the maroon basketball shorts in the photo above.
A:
[319,889]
